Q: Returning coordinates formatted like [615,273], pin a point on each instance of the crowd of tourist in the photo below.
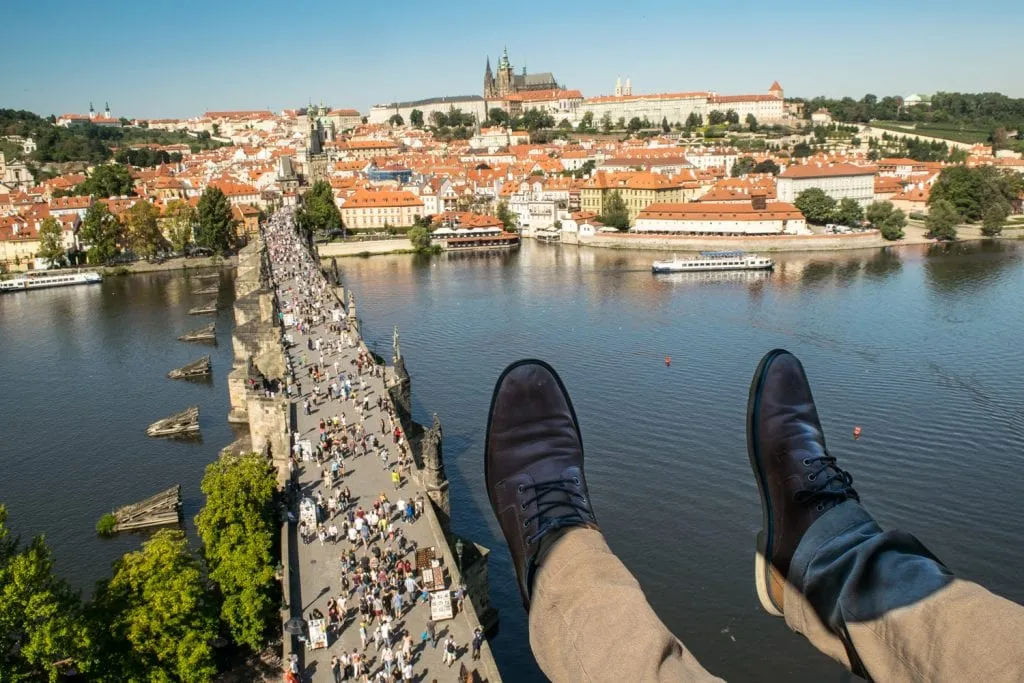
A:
[339,381]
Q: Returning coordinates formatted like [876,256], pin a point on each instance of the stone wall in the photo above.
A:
[860,240]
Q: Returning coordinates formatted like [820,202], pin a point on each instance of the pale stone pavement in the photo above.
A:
[319,567]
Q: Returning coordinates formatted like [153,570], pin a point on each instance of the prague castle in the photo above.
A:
[507,82]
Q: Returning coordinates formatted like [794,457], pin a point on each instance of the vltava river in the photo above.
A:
[921,347]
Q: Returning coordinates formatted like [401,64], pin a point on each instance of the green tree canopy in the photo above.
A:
[767,166]
[319,214]
[498,116]
[155,616]
[535,119]
[108,180]
[142,233]
[849,212]
[416,118]
[42,627]
[802,149]
[396,120]
[237,529]
[694,120]
[181,218]
[586,122]
[816,206]
[716,118]
[51,241]
[889,220]
[972,191]
[102,233]
[732,117]
[751,122]
[614,213]
[606,122]
[419,237]
[506,216]
[992,221]
[216,227]
[942,220]
[742,166]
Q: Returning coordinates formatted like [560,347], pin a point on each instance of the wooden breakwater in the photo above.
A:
[161,509]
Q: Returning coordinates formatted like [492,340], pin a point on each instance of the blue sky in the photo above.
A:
[180,59]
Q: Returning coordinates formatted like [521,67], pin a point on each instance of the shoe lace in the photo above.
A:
[568,500]
[830,484]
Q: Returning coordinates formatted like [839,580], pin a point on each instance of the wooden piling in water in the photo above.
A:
[161,509]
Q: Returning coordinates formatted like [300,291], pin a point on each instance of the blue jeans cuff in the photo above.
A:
[825,529]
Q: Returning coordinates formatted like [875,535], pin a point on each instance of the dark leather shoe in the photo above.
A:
[533,464]
[797,478]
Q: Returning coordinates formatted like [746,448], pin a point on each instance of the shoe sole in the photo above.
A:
[762,566]
[490,414]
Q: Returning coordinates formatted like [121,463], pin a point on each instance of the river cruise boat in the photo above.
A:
[463,239]
[42,281]
[714,260]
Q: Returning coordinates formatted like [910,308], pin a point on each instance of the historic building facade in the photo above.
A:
[500,85]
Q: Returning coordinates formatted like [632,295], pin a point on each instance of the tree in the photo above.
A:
[216,229]
[108,180]
[51,241]
[889,220]
[564,124]
[694,120]
[992,222]
[767,166]
[535,119]
[751,122]
[498,116]
[438,119]
[419,237]
[181,219]
[142,234]
[237,528]
[586,122]
[614,213]
[396,120]
[665,128]
[606,122]
[416,118]
[816,206]
[319,215]
[42,626]
[731,117]
[849,212]
[155,615]
[802,149]
[972,191]
[716,118]
[102,232]
[634,124]
[620,124]
[742,166]
[506,216]
[942,220]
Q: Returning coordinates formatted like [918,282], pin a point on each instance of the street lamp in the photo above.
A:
[458,551]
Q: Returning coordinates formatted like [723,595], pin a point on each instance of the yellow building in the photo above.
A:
[637,189]
[380,208]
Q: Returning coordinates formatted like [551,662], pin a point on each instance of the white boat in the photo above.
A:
[26,282]
[714,260]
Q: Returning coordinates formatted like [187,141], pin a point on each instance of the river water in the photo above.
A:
[918,346]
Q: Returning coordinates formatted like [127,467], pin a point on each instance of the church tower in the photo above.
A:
[506,79]
[488,81]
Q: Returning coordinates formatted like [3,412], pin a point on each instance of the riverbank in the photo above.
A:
[175,264]
[366,248]
[872,239]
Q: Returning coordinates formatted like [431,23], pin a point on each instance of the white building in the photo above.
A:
[467,104]
[677,107]
[755,218]
[836,180]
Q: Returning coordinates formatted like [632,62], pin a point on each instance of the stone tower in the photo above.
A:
[488,81]
[506,79]
[316,158]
